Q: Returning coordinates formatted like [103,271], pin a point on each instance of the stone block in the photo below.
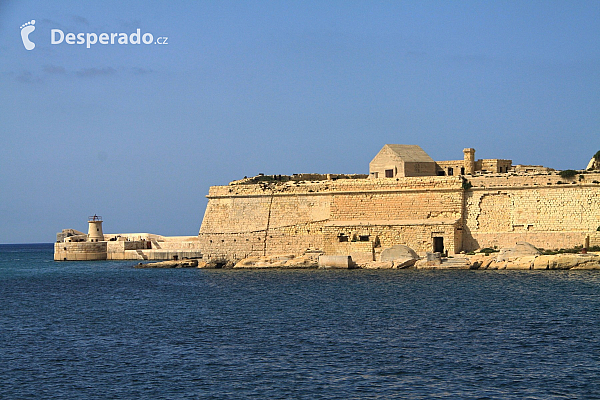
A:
[377,265]
[335,262]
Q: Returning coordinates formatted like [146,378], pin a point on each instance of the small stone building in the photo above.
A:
[401,160]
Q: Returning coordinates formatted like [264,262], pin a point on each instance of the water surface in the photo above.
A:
[104,330]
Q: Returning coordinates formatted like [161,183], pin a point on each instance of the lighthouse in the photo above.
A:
[95,229]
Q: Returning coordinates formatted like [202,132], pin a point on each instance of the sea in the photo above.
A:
[106,330]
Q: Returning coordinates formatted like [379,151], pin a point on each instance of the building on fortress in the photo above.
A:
[399,160]
[407,198]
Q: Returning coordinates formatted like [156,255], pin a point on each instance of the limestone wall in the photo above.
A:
[418,234]
[398,205]
[79,251]
[454,167]
[151,254]
[264,219]
[180,247]
[120,246]
[595,239]
[254,220]
[493,165]
[499,211]
[187,245]
[293,239]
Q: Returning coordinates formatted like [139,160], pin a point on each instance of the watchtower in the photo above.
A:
[469,160]
[95,229]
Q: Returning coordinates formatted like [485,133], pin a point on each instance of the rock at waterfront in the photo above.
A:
[456,262]
[480,261]
[588,261]
[402,256]
[281,261]
[521,249]
[521,263]
[574,261]
[541,262]
[169,264]
[377,265]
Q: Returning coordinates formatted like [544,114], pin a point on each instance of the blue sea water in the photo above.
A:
[104,330]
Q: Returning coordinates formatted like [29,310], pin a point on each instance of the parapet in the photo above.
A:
[296,178]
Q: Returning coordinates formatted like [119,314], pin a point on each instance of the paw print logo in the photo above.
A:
[26,29]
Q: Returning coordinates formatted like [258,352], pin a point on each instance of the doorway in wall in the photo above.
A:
[438,244]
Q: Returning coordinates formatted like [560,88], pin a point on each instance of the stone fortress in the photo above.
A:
[407,198]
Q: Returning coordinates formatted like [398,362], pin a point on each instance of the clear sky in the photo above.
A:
[137,133]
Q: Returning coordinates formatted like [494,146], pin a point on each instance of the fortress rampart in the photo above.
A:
[357,217]
[544,210]
[83,251]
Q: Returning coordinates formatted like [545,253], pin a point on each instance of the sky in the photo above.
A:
[137,133]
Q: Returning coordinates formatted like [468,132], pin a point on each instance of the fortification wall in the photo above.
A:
[545,210]
[253,220]
[366,236]
[120,246]
[498,210]
[595,239]
[184,245]
[151,254]
[250,208]
[264,219]
[79,251]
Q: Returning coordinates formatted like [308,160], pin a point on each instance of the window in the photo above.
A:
[462,171]
[389,173]
[450,171]
[363,238]
[342,238]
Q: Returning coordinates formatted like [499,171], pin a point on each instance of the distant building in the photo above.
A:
[399,160]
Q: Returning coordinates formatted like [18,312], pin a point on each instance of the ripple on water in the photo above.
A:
[105,330]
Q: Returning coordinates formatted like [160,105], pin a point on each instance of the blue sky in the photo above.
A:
[138,133]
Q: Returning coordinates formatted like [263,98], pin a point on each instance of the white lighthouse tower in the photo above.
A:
[95,229]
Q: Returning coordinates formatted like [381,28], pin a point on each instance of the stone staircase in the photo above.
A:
[142,255]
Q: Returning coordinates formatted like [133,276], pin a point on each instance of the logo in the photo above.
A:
[26,29]
[57,36]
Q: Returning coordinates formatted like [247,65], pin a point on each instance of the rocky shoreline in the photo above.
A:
[522,257]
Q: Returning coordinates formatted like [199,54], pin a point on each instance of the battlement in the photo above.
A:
[359,216]
[262,178]
[294,188]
